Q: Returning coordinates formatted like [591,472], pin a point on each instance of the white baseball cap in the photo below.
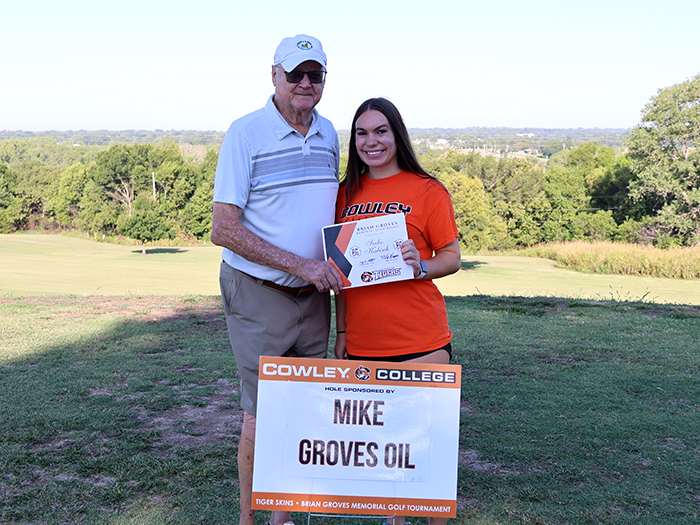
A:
[293,51]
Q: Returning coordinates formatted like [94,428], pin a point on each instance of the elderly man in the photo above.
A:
[275,188]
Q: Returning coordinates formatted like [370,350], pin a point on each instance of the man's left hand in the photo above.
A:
[322,274]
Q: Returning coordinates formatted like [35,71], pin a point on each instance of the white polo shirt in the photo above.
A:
[286,185]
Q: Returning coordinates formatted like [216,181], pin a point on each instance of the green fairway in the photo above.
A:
[57,265]
[533,277]
[34,264]
[119,395]
[125,410]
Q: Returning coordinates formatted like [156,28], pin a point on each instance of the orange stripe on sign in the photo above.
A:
[359,373]
[354,504]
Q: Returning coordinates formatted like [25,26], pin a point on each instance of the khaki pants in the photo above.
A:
[263,321]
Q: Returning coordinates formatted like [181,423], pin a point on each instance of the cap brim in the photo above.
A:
[291,63]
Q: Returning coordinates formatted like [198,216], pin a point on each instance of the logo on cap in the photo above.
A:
[304,45]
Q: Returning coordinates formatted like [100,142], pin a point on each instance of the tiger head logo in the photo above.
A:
[363,373]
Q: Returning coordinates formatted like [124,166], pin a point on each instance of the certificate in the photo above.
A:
[368,251]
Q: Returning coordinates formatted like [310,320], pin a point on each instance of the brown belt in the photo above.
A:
[294,292]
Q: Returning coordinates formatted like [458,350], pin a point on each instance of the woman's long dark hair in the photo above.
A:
[405,155]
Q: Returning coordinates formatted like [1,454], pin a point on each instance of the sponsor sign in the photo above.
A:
[368,251]
[357,437]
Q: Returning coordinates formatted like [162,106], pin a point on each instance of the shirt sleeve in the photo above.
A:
[234,170]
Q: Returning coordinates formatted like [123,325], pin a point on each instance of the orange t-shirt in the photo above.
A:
[402,317]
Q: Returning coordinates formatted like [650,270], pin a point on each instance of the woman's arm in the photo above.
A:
[340,340]
[447,260]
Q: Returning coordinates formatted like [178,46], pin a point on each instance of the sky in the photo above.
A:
[200,64]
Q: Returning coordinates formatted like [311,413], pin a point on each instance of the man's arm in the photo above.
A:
[227,231]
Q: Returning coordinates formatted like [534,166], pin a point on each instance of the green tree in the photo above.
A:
[480,228]
[96,214]
[565,197]
[208,167]
[195,217]
[609,190]
[510,186]
[19,212]
[184,181]
[515,187]
[126,170]
[586,189]
[598,226]
[7,185]
[147,222]
[523,222]
[67,192]
[666,161]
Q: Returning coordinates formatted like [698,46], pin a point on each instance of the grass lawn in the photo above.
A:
[123,408]
[34,264]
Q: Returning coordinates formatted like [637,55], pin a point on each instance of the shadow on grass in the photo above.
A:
[134,411]
[125,410]
[152,251]
[471,265]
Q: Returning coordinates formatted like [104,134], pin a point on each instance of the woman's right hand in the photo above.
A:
[410,255]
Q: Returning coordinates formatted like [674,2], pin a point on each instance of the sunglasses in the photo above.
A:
[315,77]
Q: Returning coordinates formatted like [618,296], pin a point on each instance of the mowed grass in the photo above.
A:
[580,393]
[124,410]
[38,264]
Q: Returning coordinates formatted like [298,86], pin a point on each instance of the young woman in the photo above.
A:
[403,320]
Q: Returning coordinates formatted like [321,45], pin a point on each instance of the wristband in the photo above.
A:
[423,270]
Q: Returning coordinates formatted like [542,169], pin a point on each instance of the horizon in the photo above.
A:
[339,130]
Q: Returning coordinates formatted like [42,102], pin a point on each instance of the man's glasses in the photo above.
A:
[315,77]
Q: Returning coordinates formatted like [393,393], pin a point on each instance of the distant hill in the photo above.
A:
[130,136]
[499,138]
[604,136]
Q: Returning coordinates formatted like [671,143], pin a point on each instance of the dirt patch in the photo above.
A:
[467,408]
[149,307]
[218,421]
[471,459]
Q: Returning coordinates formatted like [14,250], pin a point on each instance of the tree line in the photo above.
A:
[647,190]
[146,192]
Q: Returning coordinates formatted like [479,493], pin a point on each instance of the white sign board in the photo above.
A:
[357,437]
